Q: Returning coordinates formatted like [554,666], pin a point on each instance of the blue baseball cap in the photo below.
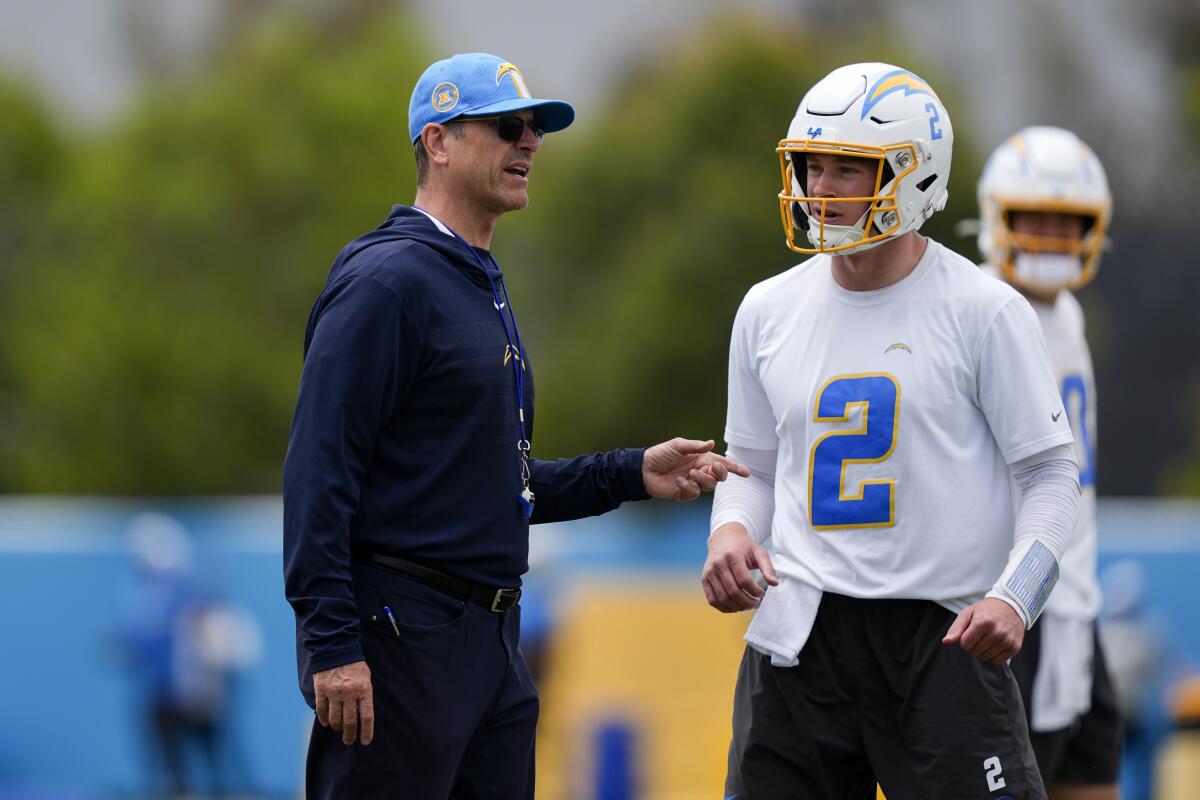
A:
[478,84]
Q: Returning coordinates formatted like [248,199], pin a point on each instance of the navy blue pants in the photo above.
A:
[455,706]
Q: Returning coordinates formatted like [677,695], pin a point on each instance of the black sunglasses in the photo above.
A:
[509,126]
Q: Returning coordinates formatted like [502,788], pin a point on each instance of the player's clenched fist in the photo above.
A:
[990,630]
[732,554]
[345,701]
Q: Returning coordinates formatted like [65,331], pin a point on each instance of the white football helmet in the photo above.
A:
[872,111]
[1048,170]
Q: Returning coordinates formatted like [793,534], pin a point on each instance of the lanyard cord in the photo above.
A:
[518,364]
[518,352]
[525,498]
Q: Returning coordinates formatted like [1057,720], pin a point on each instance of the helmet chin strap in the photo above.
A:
[839,235]
[835,235]
[1046,270]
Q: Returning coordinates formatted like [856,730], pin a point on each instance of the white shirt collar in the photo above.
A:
[441,226]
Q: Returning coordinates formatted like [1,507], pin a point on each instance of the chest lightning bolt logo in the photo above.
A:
[510,353]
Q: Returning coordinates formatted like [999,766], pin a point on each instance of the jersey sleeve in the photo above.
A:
[750,420]
[1017,391]
[749,501]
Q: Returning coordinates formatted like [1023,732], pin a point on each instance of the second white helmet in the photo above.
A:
[1043,169]
[873,111]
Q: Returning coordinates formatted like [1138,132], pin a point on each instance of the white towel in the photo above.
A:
[784,620]
[1062,687]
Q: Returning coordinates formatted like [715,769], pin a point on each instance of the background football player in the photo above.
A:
[1045,207]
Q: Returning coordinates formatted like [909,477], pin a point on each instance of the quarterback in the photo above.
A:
[887,396]
[1044,210]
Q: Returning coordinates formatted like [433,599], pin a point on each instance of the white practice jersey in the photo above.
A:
[1062,686]
[895,414]
[1077,594]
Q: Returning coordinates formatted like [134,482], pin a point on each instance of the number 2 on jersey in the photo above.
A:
[878,395]
[1074,396]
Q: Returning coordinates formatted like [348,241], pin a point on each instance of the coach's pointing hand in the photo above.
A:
[683,468]
[728,584]
[990,630]
[344,701]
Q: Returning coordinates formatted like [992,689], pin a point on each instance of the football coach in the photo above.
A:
[409,484]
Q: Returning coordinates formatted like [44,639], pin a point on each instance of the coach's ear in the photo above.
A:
[435,139]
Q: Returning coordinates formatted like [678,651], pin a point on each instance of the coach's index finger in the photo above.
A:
[733,466]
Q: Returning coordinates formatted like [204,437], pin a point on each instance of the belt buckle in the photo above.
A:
[502,595]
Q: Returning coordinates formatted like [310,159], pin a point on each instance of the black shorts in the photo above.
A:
[1088,752]
[876,696]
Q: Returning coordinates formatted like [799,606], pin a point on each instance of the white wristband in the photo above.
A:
[1027,581]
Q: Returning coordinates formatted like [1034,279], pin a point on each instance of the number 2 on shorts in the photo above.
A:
[993,770]
[874,506]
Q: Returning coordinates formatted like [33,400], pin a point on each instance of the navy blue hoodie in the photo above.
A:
[405,432]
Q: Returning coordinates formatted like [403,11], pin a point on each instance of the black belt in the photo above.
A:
[495,600]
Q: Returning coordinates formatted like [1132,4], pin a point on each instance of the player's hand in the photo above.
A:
[728,584]
[345,701]
[991,630]
[683,468]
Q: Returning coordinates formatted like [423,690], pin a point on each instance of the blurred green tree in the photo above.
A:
[32,154]
[154,343]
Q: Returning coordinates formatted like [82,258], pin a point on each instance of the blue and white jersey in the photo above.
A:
[896,414]
[1077,594]
[1062,687]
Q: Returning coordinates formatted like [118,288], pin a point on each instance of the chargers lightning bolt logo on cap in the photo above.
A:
[515,75]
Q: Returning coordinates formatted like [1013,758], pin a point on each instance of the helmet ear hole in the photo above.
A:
[800,171]
[925,184]
[799,162]
[799,217]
